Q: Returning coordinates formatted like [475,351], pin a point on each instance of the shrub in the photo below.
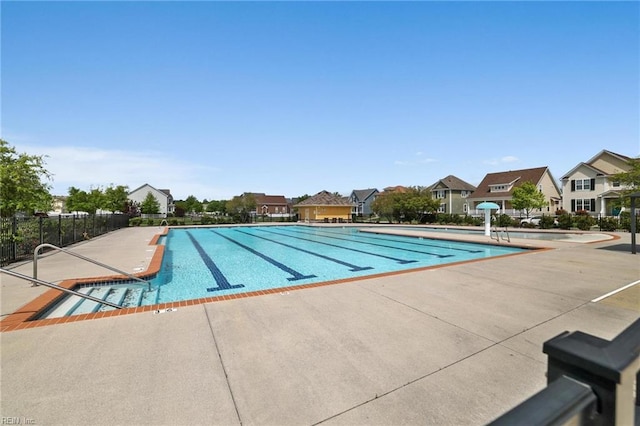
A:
[135,221]
[584,222]
[504,220]
[473,221]
[608,224]
[560,212]
[547,222]
[149,222]
[565,221]
[625,221]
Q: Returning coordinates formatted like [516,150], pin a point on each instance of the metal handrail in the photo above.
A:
[57,287]
[88,259]
[497,231]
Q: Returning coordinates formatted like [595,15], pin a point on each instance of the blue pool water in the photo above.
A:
[206,262]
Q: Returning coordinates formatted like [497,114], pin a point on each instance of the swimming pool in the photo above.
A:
[221,261]
[201,262]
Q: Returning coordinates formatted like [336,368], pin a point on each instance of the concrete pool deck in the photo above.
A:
[458,344]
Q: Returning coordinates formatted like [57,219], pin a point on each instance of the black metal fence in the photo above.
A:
[19,236]
[590,381]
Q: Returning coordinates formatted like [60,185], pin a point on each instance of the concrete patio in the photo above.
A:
[454,345]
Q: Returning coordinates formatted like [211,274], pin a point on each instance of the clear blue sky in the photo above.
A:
[213,99]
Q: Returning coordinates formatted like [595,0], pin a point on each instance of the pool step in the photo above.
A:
[127,297]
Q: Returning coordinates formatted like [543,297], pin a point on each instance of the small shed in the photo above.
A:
[326,207]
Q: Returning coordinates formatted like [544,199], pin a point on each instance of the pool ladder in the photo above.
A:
[497,231]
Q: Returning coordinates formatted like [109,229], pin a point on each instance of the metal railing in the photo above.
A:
[590,381]
[36,252]
[497,231]
[57,287]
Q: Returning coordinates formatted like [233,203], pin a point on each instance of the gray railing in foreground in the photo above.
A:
[590,381]
[57,287]
[36,252]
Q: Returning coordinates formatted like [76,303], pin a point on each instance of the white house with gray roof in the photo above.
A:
[163,196]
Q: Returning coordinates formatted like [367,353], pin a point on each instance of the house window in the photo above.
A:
[465,208]
[583,204]
[615,184]
[442,208]
[583,185]
[465,194]
[499,188]
[440,194]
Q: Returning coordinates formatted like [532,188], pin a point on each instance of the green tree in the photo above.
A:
[217,206]
[150,205]
[23,185]
[383,206]
[405,206]
[418,201]
[116,198]
[241,207]
[192,205]
[82,201]
[526,198]
[630,180]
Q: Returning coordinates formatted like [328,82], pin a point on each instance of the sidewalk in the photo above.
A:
[456,345]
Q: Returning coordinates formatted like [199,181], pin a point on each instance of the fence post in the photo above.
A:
[610,368]
[41,237]
[60,239]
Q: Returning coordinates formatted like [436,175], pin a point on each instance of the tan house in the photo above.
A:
[587,187]
[325,207]
[453,194]
[498,188]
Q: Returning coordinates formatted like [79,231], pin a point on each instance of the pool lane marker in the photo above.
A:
[221,280]
[441,256]
[611,293]
[354,268]
[295,274]
[358,235]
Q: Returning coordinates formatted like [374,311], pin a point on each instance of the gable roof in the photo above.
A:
[604,151]
[263,199]
[593,159]
[453,183]
[515,177]
[162,191]
[398,188]
[572,171]
[363,194]
[325,198]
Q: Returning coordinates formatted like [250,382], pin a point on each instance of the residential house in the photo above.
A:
[398,188]
[452,192]
[272,205]
[498,188]
[163,196]
[588,187]
[326,207]
[362,199]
